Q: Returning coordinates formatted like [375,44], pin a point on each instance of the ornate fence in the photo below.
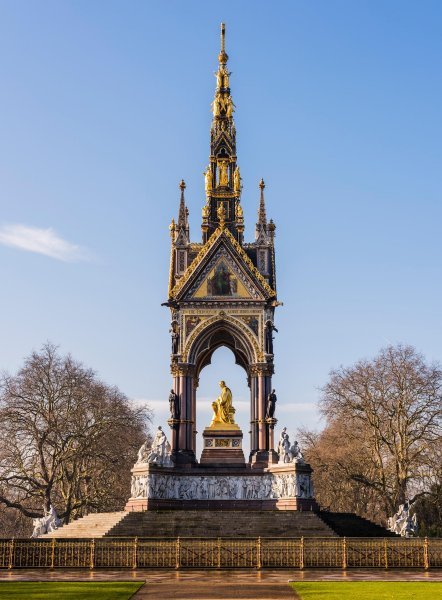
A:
[220,553]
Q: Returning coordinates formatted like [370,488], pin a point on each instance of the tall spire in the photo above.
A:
[222,105]
[262,217]
[222,176]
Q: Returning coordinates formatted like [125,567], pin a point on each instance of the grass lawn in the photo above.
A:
[68,590]
[368,590]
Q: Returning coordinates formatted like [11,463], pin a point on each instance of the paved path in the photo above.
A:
[218,585]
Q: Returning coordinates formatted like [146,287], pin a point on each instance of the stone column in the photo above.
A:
[253,413]
[183,449]
[262,442]
[261,385]
[194,431]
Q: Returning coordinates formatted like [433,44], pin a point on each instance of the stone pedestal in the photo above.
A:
[228,487]
[222,445]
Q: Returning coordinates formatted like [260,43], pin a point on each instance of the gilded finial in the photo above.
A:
[222,57]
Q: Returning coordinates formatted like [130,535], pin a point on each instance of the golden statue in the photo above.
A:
[208,180]
[237,180]
[223,178]
[229,107]
[222,77]
[221,214]
[216,107]
[223,408]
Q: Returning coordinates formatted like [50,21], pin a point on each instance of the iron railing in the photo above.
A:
[220,553]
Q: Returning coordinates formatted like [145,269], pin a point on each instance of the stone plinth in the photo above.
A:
[231,487]
[222,445]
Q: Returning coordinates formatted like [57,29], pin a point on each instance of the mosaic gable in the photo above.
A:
[223,279]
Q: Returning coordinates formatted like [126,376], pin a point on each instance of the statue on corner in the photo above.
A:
[269,329]
[402,523]
[174,405]
[159,453]
[271,405]
[46,524]
[175,337]
[289,452]
[223,407]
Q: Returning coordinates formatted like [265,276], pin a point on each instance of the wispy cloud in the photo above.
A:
[42,241]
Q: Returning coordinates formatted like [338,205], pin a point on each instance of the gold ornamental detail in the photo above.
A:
[220,318]
[261,370]
[195,263]
[204,251]
[182,370]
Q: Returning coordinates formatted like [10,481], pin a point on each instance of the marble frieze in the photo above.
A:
[268,486]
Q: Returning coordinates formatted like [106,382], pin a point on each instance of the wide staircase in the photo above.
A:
[91,526]
[197,524]
[351,525]
[227,523]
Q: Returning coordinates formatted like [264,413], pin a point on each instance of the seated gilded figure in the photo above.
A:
[223,408]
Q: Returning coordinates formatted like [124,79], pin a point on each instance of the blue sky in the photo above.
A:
[105,106]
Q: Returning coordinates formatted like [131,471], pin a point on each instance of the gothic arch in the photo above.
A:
[217,331]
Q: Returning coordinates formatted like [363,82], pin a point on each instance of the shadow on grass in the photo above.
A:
[68,590]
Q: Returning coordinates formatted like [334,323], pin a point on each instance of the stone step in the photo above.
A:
[206,523]
[92,525]
[351,525]
[219,523]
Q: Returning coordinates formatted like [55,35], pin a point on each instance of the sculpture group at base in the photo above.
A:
[46,524]
[288,452]
[403,523]
[159,451]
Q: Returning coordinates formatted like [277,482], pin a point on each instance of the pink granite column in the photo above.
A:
[261,413]
[183,448]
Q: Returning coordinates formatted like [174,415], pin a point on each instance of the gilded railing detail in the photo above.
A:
[222,553]
[323,552]
[434,550]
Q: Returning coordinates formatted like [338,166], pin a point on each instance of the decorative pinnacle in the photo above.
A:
[182,214]
[262,217]
[223,57]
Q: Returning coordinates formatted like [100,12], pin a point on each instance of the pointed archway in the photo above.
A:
[214,332]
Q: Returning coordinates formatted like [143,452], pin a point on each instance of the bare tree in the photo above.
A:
[67,438]
[386,414]
[335,457]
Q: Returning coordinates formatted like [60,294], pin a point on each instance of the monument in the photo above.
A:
[222,292]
